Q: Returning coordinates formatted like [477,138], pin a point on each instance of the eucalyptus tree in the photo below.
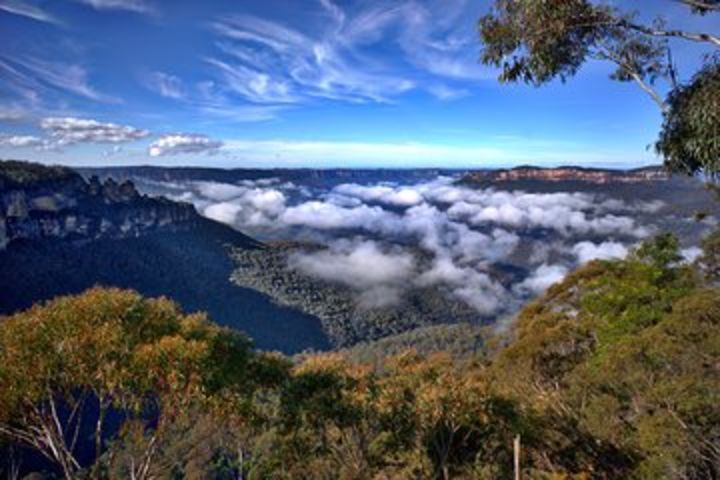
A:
[535,42]
[68,365]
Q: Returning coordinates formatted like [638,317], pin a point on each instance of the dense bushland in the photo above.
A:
[614,373]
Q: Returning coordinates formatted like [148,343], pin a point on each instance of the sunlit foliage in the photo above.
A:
[613,373]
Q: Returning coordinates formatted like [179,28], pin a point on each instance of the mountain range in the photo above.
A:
[65,230]
[61,234]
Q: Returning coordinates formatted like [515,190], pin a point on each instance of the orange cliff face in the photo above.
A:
[572,174]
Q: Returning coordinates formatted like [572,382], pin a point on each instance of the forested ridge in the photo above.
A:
[614,373]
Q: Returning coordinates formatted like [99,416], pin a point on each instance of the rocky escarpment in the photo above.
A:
[38,202]
[570,174]
[61,234]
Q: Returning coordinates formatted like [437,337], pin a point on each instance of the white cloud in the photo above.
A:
[474,287]
[327,216]
[438,36]
[379,276]
[224,212]
[401,196]
[566,213]
[20,141]
[691,254]
[347,262]
[542,278]
[71,130]
[427,234]
[587,251]
[219,191]
[183,143]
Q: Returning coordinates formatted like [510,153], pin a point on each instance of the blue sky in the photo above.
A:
[301,83]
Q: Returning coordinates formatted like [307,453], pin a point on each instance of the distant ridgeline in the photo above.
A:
[307,176]
[684,194]
[61,234]
[572,174]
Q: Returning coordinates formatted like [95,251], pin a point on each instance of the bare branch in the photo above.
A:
[607,54]
[650,91]
[695,37]
[103,406]
[700,4]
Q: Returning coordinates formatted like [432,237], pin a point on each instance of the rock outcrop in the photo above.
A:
[38,202]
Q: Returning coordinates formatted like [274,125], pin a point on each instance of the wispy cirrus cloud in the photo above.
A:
[444,92]
[255,86]
[274,62]
[218,102]
[435,37]
[165,85]
[136,6]
[28,10]
[31,76]
[281,64]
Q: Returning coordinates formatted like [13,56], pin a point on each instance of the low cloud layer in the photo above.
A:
[587,251]
[379,276]
[490,249]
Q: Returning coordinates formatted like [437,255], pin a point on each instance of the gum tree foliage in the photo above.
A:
[620,360]
[690,138]
[67,365]
[709,262]
[537,41]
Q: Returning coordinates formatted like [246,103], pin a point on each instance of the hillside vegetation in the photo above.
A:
[344,320]
[614,373]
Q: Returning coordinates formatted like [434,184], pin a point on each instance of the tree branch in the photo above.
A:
[699,4]
[607,54]
[103,406]
[695,37]
[650,91]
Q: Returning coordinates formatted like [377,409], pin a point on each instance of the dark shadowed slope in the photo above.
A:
[62,235]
